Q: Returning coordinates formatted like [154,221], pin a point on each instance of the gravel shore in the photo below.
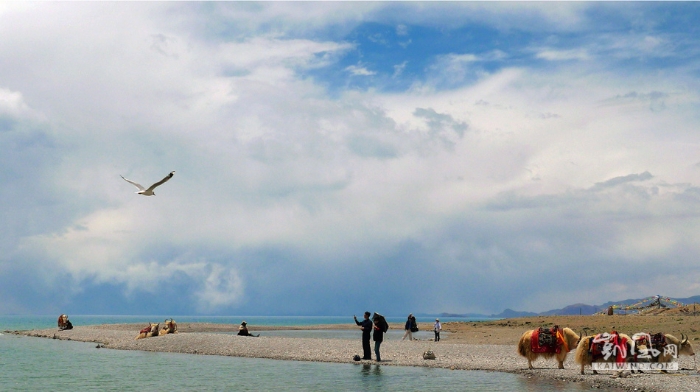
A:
[208,339]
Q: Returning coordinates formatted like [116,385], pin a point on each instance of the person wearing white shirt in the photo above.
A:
[437,328]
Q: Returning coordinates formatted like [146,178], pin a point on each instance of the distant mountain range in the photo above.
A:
[575,309]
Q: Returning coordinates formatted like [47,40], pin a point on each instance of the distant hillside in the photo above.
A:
[510,313]
[689,300]
[464,315]
[575,309]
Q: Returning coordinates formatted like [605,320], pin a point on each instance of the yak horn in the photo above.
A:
[684,339]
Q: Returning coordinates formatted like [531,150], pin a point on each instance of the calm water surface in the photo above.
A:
[33,364]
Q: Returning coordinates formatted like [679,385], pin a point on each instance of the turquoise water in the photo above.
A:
[41,322]
[32,364]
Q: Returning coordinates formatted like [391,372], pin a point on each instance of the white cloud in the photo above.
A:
[358,70]
[401,29]
[12,103]
[478,172]
[638,45]
[507,16]
[222,287]
[398,69]
[562,55]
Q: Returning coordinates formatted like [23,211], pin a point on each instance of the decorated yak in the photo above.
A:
[660,347]
[147,332]
[552,342]
[169,326]
[604,347]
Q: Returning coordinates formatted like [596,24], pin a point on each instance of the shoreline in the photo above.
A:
[214,339]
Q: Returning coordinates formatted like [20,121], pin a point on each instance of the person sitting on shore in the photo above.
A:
[243,330]
[64,323]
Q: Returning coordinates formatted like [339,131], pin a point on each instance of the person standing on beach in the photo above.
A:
[366,327]
[407,328]
[410,327]
[378,337]
[437,328]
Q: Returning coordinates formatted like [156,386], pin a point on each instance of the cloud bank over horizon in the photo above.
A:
[336,157]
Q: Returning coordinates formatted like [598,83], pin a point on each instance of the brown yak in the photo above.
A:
[567,341]
[151,330]
[659,348]
[683,345]
[606,347]
[169,326]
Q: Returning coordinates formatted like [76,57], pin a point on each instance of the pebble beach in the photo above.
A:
[218,339]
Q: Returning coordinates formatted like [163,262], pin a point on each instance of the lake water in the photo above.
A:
[32,364]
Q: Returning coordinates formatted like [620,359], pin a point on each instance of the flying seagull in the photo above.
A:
[149,191]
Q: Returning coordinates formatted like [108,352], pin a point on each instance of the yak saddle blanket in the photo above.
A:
[605,345]
[547,340]
[658,340]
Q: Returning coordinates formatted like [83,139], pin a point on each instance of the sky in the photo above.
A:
[337,157]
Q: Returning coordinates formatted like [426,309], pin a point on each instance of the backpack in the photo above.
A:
[381,322]
[414,325]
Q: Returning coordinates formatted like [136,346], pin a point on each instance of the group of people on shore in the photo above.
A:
[368,326]
[378,328]
[411,326]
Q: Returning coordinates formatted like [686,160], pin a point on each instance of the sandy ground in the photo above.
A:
[508,331]
[468,346]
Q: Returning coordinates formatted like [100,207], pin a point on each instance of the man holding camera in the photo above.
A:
[366,327]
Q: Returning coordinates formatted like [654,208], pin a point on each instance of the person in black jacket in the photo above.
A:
[366,327]
[378,337]
[410,327]
[243,330]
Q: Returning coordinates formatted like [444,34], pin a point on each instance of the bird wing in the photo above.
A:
[133,183]
[161,182]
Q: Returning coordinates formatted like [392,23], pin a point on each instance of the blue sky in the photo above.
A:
[336,157]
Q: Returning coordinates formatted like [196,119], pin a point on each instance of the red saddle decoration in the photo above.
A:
[550,344]
[609,344]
